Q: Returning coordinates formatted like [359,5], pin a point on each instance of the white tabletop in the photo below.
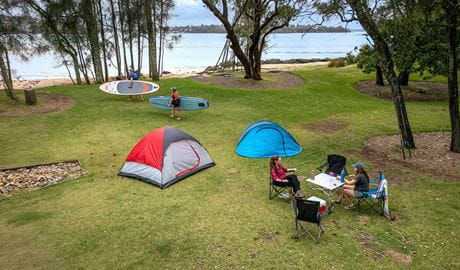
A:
[326,181]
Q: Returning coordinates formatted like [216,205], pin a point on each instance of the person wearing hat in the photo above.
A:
[353,188]
[174,103]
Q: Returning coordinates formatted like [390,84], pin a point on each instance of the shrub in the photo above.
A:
[336,63]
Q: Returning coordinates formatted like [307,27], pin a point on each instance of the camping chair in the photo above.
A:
[335,164]
[376,198]
[278,189]
[307,211]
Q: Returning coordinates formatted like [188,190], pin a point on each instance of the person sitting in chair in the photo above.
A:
[355,187]
[280,178]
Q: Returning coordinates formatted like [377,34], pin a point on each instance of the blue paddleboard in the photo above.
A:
[186,103]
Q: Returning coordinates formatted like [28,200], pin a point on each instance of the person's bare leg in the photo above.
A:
[131,83]
[349,195]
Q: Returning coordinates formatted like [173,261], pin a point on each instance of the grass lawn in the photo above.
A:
[216,218]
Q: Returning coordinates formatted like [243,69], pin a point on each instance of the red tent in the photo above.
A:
[165,156]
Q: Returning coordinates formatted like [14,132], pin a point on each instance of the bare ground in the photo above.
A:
[415,91]
[328,126]
[275,79]
[47,103]
[431,157]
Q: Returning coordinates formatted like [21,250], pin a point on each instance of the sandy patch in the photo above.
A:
[276,80]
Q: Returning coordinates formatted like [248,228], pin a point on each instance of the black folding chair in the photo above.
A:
[307,212]
[278,188]
[335,164]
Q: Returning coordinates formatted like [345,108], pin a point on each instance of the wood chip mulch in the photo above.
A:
[34,177]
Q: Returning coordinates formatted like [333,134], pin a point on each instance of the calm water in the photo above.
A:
[194,52]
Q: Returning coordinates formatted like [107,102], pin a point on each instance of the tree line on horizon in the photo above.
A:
[86,35]
[298,28]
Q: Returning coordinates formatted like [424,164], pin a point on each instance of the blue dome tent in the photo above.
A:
[264,139]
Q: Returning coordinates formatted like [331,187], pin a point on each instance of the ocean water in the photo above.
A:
[194,52]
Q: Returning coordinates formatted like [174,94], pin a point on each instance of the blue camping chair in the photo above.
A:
[376,198]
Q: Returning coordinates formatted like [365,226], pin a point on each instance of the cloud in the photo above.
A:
[188,3]
[194,15]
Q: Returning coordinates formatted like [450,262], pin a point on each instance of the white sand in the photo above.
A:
[40,83]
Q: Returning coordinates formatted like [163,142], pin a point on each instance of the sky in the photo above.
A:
[193,12]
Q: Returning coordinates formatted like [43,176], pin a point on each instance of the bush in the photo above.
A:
[350,59]
[336,63]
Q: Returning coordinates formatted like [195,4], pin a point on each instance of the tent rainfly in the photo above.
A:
[264,139]
[165,156]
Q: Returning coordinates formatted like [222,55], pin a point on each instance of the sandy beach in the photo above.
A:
[40,83]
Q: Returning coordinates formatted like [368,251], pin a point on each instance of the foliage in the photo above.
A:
[367,59]
[350,58]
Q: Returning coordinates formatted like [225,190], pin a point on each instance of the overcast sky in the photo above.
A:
[193,12]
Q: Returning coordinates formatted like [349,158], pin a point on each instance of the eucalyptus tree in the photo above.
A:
[152,39]
[259,18]
[87,7]
[162,17]
[364,11]
[114,25]
[451,9]
[102,19]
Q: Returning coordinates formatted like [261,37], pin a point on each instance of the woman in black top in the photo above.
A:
[355,187]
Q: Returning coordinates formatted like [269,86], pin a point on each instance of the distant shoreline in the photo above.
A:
[40,83]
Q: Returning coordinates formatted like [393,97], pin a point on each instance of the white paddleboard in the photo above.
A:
[127,87]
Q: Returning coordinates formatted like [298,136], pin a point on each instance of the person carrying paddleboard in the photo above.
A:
[174,103]
[132,75]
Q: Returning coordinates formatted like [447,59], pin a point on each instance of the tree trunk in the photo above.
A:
[151,35]
[232,36]
[81,67]
[104,50]
[139,38]
[122,21]
[451,8]
[8,83]
[387,69]
[379,76]
[130,34]
[30,97]
[90,21]
[117,45]
[403,77]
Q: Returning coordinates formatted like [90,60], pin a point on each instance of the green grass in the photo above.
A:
[215,219]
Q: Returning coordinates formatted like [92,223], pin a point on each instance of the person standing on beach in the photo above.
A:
[174,103]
